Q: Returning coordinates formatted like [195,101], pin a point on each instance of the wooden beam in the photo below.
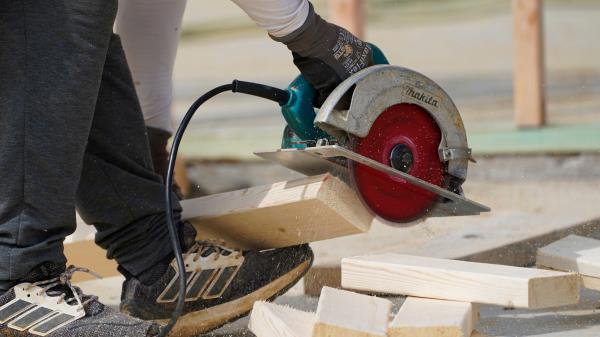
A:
[529,68]
[460,281]
[342,313]
[272,320]
[279,215]
[588,282]
[423,317]
[322,276]
[573,253]
[349,14]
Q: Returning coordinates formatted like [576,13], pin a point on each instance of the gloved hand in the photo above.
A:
[326,54]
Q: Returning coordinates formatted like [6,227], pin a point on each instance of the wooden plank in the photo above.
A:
[528,72]
[573,253]
[424,317]
[349,14]
[272,320]
[279,215]
[460,281]
[342,313]
[525,218]
[477,334]
[587,282]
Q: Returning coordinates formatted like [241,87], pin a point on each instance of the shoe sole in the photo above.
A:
[202,321]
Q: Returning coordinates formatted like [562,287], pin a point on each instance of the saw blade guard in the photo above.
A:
[379,87]
[402,119]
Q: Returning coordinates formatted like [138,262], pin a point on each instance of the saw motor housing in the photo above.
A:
[313,142]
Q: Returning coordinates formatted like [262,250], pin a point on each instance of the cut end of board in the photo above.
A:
[422,317]
[344,313]
[272,320]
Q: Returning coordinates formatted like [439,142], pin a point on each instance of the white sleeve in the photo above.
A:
[278,17]
[149,31]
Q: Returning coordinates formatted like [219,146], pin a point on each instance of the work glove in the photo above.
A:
[326,54]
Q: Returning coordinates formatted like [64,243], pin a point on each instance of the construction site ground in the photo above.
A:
[541,184]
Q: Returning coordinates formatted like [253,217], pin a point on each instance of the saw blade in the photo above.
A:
[405,137]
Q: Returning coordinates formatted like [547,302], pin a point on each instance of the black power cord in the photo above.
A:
[249,88]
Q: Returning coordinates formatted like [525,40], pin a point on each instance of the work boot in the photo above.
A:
[223,284]
[158,140]
[47,304]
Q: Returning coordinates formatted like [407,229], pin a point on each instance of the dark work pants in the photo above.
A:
[72,134]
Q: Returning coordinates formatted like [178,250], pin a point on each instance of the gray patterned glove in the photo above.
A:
[326,54]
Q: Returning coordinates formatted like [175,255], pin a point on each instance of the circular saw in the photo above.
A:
[391,133]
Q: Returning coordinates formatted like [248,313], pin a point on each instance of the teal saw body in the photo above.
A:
[300,114]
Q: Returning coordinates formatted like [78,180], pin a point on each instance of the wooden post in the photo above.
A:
[529,77]
[349,14]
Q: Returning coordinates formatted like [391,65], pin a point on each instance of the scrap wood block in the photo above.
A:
[588,282]
[272,320]
[342,313]
[423,317]
[477,334]
[460,281]
[279,215]
[573,253]
[319,276]
[592,283]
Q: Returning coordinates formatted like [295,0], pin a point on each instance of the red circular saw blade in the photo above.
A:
[390,197]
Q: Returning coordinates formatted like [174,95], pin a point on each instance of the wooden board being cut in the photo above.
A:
[279,215]
[342,313]
[573,253]
[423,317]
[272,320]
[460,281]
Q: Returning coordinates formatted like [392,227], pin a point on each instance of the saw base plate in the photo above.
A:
[319,160]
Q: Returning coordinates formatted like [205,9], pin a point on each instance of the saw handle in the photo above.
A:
[256,89]
[299,112]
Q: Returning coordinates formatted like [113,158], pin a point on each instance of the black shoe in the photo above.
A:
[53,307]
[223,284]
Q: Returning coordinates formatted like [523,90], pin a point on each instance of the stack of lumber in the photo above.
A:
[442,296]
[343,313]
[576,254]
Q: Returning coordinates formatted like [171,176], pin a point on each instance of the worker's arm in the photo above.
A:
[149,31]
[325,53]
